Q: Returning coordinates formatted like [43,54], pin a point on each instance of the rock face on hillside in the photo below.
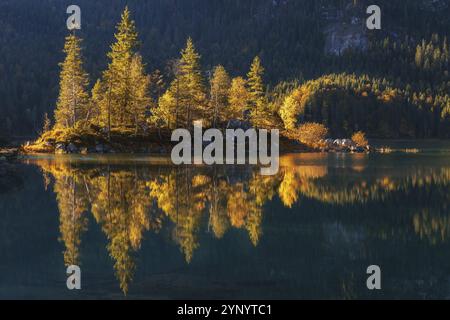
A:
[345,29]
[341,37]
[345,24]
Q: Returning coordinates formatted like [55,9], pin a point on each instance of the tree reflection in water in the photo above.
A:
[129,200]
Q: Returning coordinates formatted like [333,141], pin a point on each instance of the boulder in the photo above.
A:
[71,148]
[60,148]
[328,143]
[348,143]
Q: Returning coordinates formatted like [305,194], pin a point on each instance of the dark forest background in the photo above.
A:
[292,37]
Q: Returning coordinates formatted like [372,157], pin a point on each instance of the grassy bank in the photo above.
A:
[93,140]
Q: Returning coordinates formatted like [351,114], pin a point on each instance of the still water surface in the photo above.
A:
[141,228]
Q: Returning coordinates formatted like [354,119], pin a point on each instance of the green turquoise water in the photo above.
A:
[137,225]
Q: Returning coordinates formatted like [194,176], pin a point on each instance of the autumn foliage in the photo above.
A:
[360,139]
[311,133]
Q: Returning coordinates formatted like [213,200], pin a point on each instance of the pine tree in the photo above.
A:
[419,55]
[157,84]
[47,124]
[187,89]
[119,98]
[192,82]
[168,108]
[140,98]
[73,101]
[220,87]
[165,114]
[97,96]
[256,90]
[238,99]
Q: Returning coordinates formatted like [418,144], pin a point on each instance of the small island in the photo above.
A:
[128,110]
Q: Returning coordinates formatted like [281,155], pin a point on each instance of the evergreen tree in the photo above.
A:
[157,85]
[97,94]
[238,99]
[187,89]
[220,87]
[168,107]
[47,124]
[256,90]
[119,98]
[192,80]
[73,101]
[164,115]
[140,99]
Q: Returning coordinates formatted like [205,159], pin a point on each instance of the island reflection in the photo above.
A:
[128,200]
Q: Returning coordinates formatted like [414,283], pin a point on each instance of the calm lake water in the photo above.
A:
[141,228]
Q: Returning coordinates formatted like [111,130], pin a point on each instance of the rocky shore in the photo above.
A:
[97,148]
[95,141]
[8,154]
[343,145]
[134,146]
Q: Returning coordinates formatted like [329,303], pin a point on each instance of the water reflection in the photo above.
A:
[127,201]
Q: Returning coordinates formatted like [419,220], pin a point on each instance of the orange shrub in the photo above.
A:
[311,133]
[360,139]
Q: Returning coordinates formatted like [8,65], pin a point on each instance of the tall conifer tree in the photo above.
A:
[256,90]
[186,97]
[238,99]
[124,87]
[220,87]
[140,96]
[73,100]
[193,90]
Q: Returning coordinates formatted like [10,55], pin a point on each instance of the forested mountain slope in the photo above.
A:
[296,39]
